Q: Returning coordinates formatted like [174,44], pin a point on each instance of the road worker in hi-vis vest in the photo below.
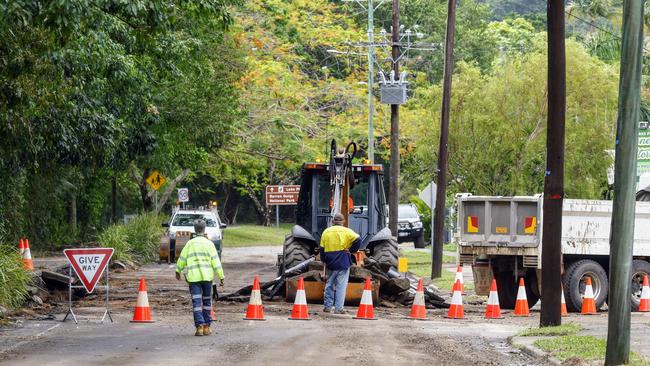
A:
[200,259]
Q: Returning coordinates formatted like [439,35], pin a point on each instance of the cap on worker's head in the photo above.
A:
[199,226]
[338,218]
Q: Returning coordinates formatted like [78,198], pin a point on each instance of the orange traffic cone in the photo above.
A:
[588,303]
[493,309]
[27,255]
[563,311]
[366,310]
[644,305]
[459,277]
[456,309]
[255,310]
[419,309]
[213,317]
[21,247]
[521,306]
[142,312]
[300,310]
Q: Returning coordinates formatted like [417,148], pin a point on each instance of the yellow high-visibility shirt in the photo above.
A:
[336,238]
[199,257]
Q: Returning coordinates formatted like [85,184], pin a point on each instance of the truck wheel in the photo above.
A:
[640,268]
[418,242]
[295,251]
[575,279]
[508,286]
[386,252]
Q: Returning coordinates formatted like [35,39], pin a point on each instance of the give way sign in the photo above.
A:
[88,264]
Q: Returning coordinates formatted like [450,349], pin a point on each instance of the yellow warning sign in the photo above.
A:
[156,180]
[403,265]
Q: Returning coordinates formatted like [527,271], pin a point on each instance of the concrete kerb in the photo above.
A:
[527,346]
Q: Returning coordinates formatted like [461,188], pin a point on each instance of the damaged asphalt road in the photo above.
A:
[327,339]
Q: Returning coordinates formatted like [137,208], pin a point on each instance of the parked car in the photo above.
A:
[181,229]
[409,225]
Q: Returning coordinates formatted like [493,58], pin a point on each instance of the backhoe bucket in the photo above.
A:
[314,291]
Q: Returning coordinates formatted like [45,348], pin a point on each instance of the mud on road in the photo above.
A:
[327,339]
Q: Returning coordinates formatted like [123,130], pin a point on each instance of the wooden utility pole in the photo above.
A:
[393,190]
[621,237]
[554,177]
[439,212]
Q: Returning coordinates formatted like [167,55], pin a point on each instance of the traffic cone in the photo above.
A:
[644,305]
[255,310]
[493,309]
[300,310]
[213,317]
[419,309]
[142,312]
[459,277]
[588,303]
[521,306]
[27,255]
[366,310]
[563,311]
[456,309]
[21,247]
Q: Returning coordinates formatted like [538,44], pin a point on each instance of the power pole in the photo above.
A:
[621,237]
[439,212]
[371,71]
[554,177]
[393,194]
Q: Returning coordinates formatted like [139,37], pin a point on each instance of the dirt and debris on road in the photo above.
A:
[328,339]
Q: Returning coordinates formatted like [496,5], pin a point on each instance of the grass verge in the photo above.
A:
[449,247]
[585,348]
[420,264]
[13,278]
[255,235]
[562,330]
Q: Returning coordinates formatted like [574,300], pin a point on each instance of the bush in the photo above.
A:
[136,240]
[115,237]
[13,278]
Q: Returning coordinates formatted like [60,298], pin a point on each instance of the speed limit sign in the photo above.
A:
[183,195]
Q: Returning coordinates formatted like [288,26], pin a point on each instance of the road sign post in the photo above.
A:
[88,264]
[280,195]
[155,180]
[183,195]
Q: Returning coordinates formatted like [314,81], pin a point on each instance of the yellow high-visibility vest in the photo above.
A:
[199,257]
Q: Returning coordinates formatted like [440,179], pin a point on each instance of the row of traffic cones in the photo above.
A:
[300,311]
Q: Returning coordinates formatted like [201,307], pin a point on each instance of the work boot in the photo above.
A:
[327,310]
[199,331]
[340,311]
[206,330]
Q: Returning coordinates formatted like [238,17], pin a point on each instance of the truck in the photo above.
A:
[501,238]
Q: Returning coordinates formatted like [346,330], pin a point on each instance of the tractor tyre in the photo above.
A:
[386,252]
[295,251]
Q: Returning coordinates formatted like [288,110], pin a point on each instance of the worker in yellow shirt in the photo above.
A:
[200,259]
[337,241]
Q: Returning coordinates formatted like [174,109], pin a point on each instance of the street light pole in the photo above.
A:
[371,68]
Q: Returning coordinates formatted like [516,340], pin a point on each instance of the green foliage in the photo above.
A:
[115,237]
[497,131]
[138,239]
[561,330]
[585,348]
[13,277]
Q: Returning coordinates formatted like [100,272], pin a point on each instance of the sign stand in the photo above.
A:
[70,287]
